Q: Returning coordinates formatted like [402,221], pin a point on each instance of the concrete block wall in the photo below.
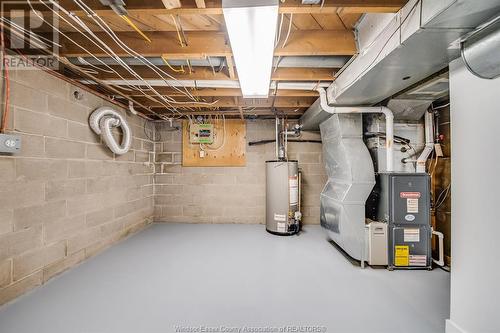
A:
[65,197]
[231,194]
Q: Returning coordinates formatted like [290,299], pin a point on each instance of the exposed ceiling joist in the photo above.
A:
[204,43]
[235,112]
[228,92]
[206,73]
[214,7]
[236,102]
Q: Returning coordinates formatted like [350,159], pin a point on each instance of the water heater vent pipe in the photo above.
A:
[389,121]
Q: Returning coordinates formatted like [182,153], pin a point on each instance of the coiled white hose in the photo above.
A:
[102,122]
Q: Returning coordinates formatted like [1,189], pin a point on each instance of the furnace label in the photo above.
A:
[401,255]
[411,235]
[412,205]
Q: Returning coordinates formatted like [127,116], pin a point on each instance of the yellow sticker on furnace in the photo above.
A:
[401,255]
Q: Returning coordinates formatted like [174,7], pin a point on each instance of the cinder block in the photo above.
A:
[99,217]
[32,146]
[63,189]
[82,132]
[16,243]
[82,169]
[213,210]
[172,210]
[192,210]
[172,147]
[164,157]
[40,169]
[63,108]
[39,123]
[129,156]
[168,189]
[56,148]
[44,82]
[17,194]
[27,98]
[5,273]
[164,179]
[83,239]
[9,293]
[64,229]
[141,156]
[37,259]
[45,213]
[99,152]
[309,158]
[147,145]
[7,169]
[100,184]
[6,217]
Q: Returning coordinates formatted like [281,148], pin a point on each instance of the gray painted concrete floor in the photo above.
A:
[174,275]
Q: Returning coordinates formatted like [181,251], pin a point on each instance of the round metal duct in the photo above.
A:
[481,50]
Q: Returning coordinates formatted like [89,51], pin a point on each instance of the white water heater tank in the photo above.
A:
[282,197]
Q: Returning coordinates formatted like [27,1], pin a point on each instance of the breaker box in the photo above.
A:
[201,133]
[405,205]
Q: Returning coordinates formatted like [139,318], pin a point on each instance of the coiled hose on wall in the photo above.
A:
[103,120]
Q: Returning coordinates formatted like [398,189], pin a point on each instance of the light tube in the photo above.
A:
[251,26]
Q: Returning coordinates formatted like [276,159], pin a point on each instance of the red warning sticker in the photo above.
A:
[409,195]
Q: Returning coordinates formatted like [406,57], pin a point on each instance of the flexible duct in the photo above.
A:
[103,120]
[389,122]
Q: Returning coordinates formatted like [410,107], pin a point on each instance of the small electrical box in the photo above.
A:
[201,133]
[10,143]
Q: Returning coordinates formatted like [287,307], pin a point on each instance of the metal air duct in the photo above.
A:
[401,49]
[351,178]
[481,50]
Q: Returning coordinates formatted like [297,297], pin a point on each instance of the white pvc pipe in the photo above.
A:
[389,122]
[429,142]
[440,235]
[131,108]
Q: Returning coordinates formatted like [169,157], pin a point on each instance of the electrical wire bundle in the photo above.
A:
[6,81]
[82,28]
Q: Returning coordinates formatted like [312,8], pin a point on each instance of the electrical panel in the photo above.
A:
[405,205]
[201,133]
[10,143]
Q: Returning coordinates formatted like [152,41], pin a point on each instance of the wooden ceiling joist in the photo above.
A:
[235,112]
[214,7]
[206,73]
[236,102]
[227,92]
[206,43]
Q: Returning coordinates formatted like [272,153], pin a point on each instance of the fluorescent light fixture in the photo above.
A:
[251,25]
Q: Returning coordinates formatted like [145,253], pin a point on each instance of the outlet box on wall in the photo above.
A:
[10,143]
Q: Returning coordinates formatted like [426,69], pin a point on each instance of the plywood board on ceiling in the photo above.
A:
[228,149]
